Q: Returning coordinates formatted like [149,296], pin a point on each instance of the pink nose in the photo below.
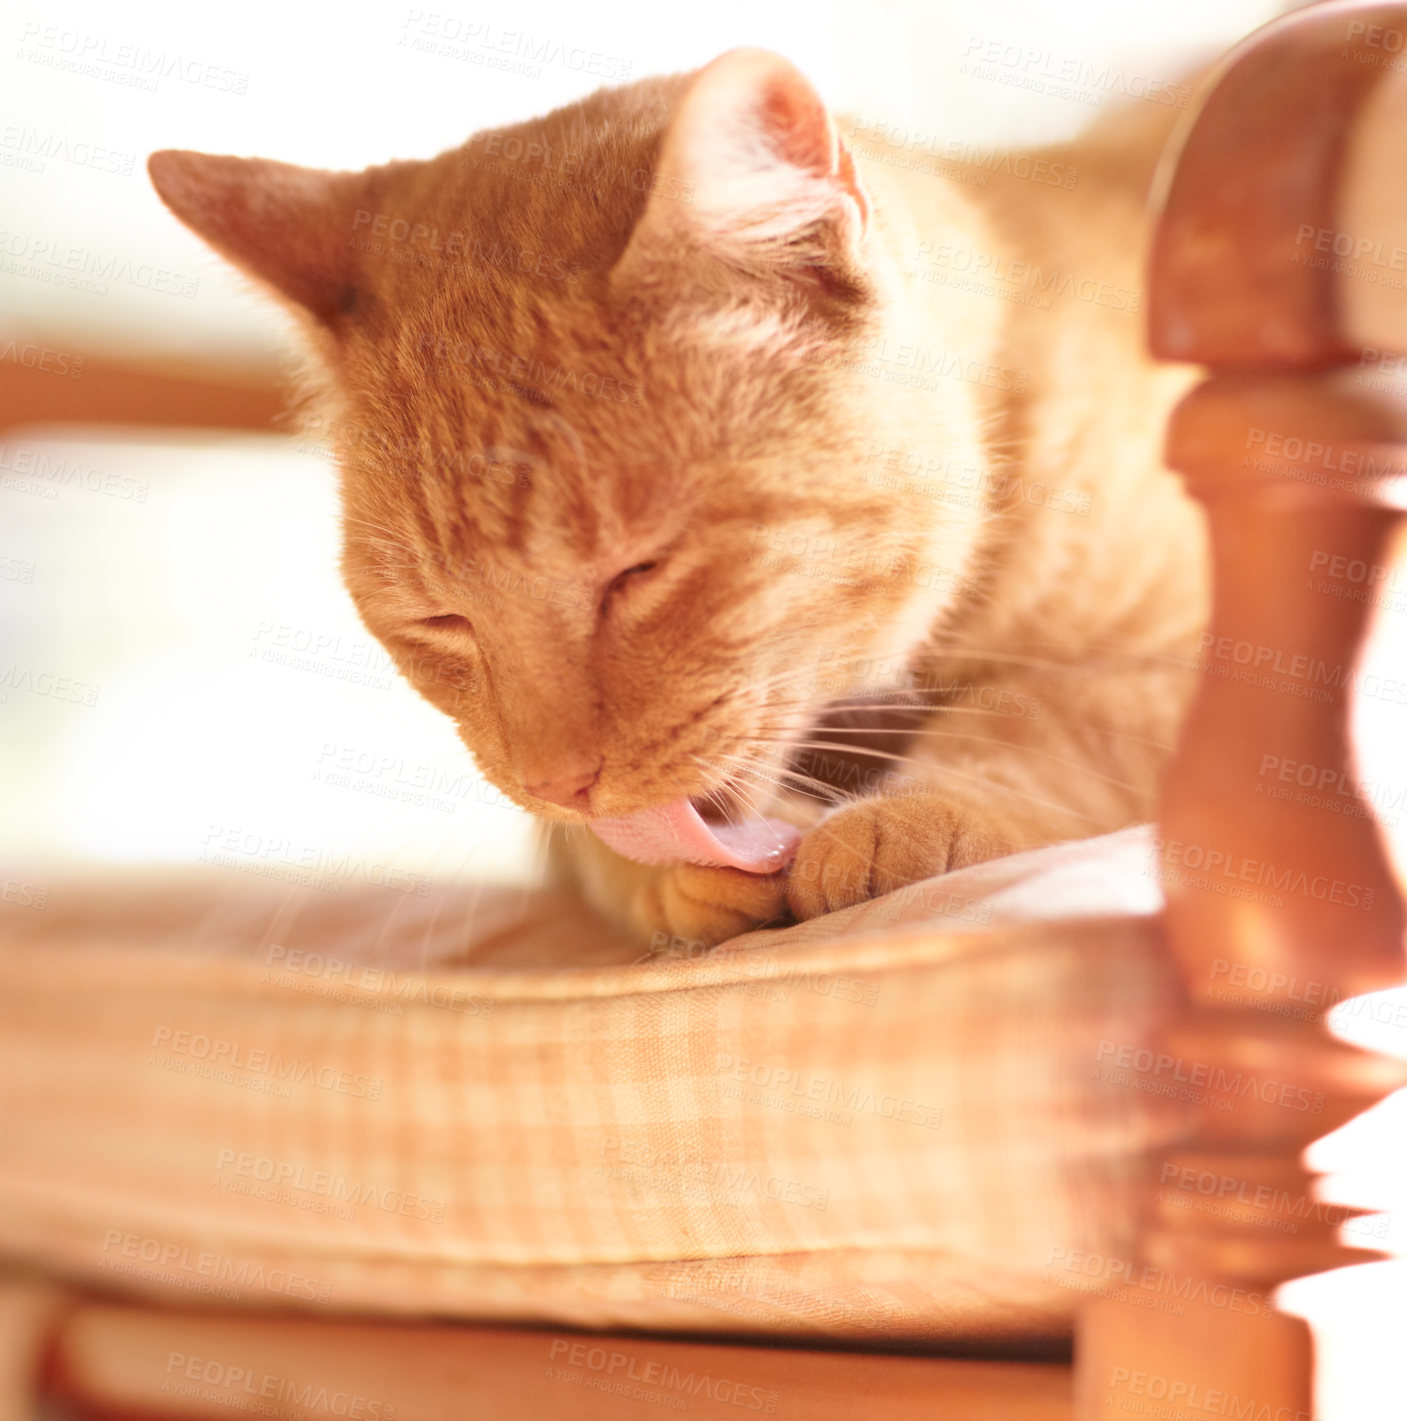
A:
[570,791]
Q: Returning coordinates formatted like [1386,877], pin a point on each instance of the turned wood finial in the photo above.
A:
[1279,262]
[1272,242]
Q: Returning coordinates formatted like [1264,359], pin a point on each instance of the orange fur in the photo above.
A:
[665,458]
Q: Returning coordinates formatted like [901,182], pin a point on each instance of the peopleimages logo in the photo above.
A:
[35,470]
[184,1372]
[54,261]
[231,1056]
[238,1172]
[996,273]
[271,856]
[464,247]
[1329,240]
[1180,1398]
[1371,462]
[1163,1073]
[1222,870]
[165,1261]
[101,56]
[898,146]
[291,964]
[513,51]
[41,357]
[804,1087]
[23,895]
[33,149]
[609,1370]
[1261,1205]
[45,683]
[1156,1288]
[1261,979]
[1044,71]
[696,1175]
[538,161]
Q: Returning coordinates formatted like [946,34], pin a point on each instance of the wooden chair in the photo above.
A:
[1280,204]
[1281,208]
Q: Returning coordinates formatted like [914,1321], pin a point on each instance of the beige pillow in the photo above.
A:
[905,1120]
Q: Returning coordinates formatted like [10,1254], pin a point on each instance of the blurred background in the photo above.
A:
[182,679]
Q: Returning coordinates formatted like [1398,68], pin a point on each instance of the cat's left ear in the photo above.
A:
[752,170]
[289,227]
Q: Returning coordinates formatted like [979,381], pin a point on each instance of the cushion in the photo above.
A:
[479,1102]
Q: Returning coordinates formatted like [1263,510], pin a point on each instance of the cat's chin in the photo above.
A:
[677,832]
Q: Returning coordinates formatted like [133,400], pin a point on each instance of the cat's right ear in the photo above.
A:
[752,171]
[289,227]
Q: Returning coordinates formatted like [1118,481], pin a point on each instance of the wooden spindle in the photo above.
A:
[1301,466]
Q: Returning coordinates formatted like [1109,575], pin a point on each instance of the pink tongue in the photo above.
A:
[670,832]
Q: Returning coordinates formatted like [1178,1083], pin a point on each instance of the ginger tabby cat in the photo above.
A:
[784,516]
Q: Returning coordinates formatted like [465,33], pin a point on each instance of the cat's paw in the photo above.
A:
[706,905]
[662,901]
[869,849]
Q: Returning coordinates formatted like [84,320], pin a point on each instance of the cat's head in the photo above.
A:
[608,398]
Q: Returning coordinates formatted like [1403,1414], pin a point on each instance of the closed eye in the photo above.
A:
[619,581]
[447,620]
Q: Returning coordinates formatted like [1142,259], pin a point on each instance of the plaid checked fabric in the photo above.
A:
[891,1121]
